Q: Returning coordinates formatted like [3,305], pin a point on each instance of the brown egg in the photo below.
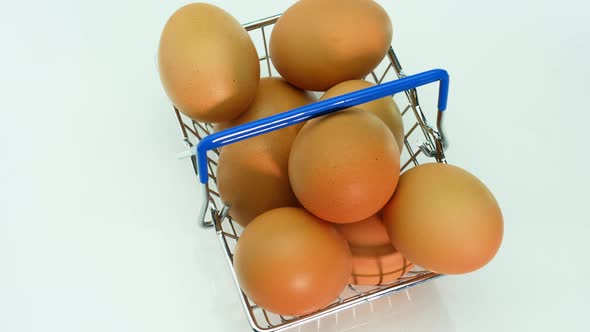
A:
[291,263]
[274,96]
[374,260]
[444,219]
[378,266]
[384,108]
[344,167]
[317,44]
[208,64]
[365,233]
[252,174]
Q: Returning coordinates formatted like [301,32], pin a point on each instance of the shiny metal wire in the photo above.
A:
[427,143]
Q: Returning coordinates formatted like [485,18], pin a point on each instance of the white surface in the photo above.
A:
[107,240]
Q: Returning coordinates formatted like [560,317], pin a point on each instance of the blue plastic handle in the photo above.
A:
[304,113]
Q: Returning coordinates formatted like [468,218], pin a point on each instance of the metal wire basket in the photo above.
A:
[422,142]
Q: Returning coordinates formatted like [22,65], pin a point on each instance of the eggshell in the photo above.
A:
[274,96]
[252,174]
[344,167]
[291,263]
[444,219]
[365,233]
[208,64]
[384,108]
[317,44]
[378,266]
[374,260]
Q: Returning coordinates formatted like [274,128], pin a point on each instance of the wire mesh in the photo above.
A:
[229,231]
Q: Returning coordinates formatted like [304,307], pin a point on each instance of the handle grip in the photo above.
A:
[304,113]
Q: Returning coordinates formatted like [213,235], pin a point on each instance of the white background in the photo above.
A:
[98,220]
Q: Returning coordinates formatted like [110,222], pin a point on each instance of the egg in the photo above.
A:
[365,233]
[384,108]
[317,44]
[252,174]
[374,260]
[345,166]
[444,219]
[291,263]
[274,96]
[208,64]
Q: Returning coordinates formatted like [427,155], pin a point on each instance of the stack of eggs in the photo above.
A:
[323,203]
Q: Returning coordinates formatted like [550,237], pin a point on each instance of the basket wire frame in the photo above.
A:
[422,143]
